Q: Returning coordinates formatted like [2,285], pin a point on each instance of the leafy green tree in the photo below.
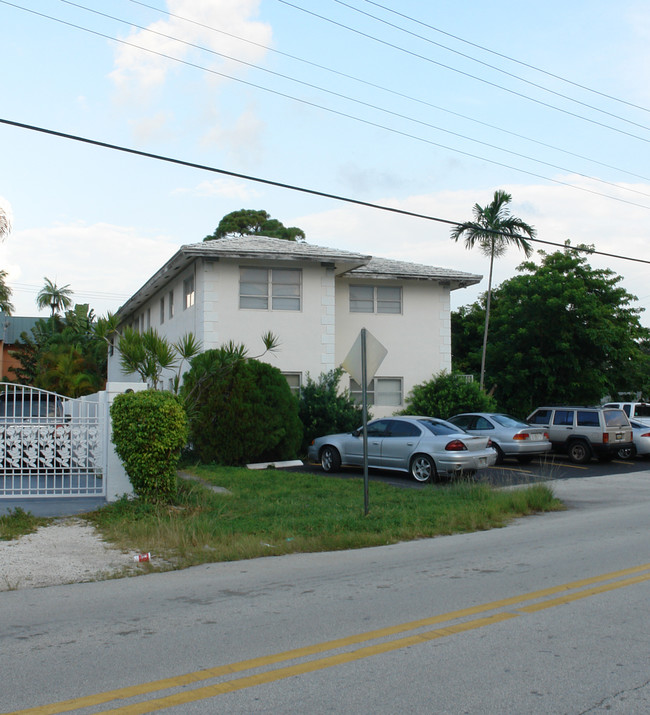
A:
[56,298]
[323,409]
[562,332]
[6,306]
[447,394]
[239,410]
[493,230]
[250,222]
[63,354]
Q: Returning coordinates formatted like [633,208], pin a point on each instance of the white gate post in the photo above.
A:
[117,480]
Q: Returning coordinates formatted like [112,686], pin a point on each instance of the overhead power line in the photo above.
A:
[367,122]
[465,74]
[293,187]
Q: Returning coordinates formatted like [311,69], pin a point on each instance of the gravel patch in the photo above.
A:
[69,551]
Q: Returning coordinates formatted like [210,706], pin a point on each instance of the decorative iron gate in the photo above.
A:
[50,445]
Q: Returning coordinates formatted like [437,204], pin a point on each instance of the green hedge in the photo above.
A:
[240,410]
[149,430]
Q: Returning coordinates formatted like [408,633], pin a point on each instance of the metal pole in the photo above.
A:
[364,402]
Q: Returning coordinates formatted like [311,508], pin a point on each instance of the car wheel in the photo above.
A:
[423,468]
[525,459]
[500,455]
[330,459]
[579,452]
[627,452]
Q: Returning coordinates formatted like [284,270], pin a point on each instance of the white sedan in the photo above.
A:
[426,447]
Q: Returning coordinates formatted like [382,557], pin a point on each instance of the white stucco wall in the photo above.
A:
[418,340]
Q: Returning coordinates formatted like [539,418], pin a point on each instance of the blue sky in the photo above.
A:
[419,108]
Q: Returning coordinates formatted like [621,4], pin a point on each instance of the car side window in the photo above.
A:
[588,419]
[541,417]
[380,428]
[482,423]
[563,418]
[403,429]
[464,421]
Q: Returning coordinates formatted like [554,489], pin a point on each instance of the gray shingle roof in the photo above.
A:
[263,248]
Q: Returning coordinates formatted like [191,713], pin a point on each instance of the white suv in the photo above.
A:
[585,432]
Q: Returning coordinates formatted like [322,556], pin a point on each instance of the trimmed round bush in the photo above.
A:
[149,430]
[446,395]
[240,410]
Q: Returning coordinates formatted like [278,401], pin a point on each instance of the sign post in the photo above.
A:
[362,363]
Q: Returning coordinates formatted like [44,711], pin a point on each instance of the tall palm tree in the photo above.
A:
[494,229]
[53,297]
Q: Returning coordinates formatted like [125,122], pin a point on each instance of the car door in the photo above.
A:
[399,444]
[377,430]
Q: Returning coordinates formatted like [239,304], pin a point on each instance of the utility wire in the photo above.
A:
[465,74]
[340,113]
[301,189]
[492,67]
[360,102]
[507,57]
[383,88]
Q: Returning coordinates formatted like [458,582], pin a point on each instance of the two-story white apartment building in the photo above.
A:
[314,299]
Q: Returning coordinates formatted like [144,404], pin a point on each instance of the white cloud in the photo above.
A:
[211,25]
[104,264]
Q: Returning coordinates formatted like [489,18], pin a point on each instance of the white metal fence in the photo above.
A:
[50,445]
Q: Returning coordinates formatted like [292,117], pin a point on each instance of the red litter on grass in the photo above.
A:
[142,557]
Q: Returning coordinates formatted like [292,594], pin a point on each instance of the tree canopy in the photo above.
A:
[251,222]
[561,332]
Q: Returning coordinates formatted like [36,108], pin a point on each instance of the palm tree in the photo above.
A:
[53,297]
[494,229]
[5,223]
[6,306]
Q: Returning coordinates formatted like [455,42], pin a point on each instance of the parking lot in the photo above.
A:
[554,466]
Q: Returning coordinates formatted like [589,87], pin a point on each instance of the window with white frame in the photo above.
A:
[188,292]
[148,318]
[274,288]
[170,304]
[375,299]
[295,381]
[382,391]
[162,310]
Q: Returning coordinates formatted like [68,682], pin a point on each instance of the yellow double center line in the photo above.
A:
[538,600]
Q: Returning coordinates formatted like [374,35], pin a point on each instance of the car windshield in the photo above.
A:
[508,421]
[438,427]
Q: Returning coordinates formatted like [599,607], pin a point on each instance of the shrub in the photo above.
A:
[240,410]
[446,395]
[323,410]
[149,429]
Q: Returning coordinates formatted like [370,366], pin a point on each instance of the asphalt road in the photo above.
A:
[547,615]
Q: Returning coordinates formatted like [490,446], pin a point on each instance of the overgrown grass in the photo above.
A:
[18,522]
[273,512]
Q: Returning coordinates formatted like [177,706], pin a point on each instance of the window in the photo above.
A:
[382,391]
[403,429]
[162,310]
[188,292]
[563,417]
[295,381]
[375,299]
[170,302]
[279,288]
[588,419]
[148,318]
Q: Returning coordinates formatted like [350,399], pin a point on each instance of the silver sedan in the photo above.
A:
[425,447]
[511,437]
[641,439]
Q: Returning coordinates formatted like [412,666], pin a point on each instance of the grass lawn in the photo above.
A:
[272,512]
